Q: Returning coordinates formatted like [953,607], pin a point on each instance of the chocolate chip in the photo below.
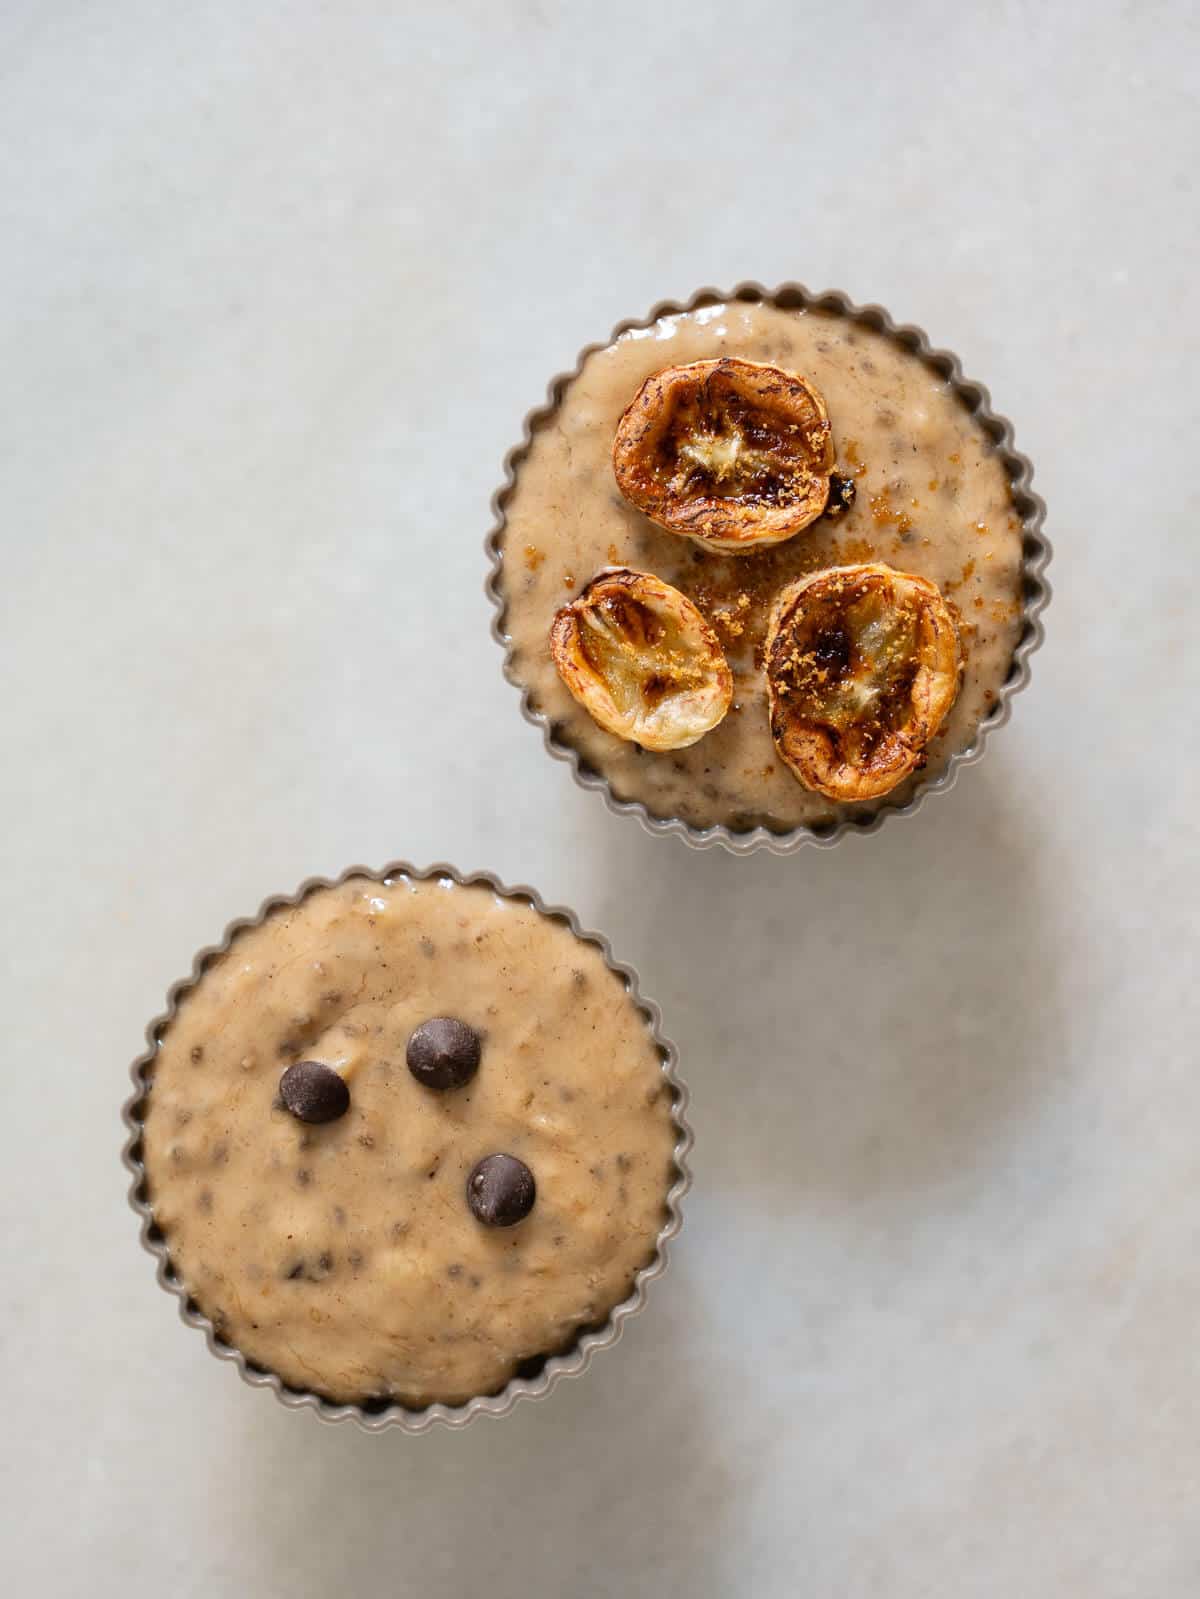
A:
[443,1053]
[501,1190]
[314,1092]
[842,493]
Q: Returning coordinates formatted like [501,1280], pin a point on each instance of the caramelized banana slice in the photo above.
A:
[733,454]
[863,664]
[640,659]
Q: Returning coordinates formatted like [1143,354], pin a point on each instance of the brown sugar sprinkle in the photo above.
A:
[968,571]
[742,589]
[851,457]
[852,551]
[955,459]
[982,529]
[731,619]
[933,485]
[533,557]
[886,515]
[614,554]
[568,580]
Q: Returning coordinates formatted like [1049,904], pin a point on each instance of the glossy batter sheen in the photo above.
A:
[344,1256]
[933,498]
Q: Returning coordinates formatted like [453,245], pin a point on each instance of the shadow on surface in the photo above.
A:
[574,1495]
[866,1020]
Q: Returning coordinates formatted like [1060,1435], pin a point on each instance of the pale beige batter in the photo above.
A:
[933,498]
[344,1256]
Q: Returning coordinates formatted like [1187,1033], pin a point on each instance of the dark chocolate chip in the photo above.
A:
[443,1053]
[501,1190]
[314,1092]
[842,493]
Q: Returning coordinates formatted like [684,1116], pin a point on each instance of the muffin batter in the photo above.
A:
[933,498]
[344,1256]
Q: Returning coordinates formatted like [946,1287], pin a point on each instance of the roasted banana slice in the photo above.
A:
[640,658]
[863,664]
[733,454]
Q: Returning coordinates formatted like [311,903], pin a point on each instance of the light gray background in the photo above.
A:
[277,283]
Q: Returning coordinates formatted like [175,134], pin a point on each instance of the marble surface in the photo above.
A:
[278,282]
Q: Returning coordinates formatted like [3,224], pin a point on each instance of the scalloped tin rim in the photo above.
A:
[1035,559]
[569,1363]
